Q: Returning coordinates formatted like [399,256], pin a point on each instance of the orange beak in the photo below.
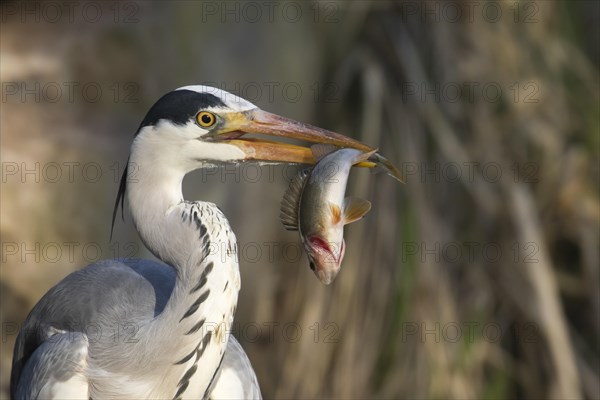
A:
[261,122]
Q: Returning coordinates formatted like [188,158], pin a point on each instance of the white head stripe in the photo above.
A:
[232,101]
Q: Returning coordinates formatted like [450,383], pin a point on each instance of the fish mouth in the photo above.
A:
[325,258]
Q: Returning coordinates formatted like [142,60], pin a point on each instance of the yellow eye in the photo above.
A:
[206,119]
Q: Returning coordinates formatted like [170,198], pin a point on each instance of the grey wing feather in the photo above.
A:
[236,378]
[290,205]
[101,295]
[56,369]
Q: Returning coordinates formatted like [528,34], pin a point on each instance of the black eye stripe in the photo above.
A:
[179,106]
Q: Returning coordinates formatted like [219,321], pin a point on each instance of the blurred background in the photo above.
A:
[478,278]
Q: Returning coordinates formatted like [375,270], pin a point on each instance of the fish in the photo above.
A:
[314,205]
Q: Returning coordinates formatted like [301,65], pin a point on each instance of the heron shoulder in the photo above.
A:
[99,298]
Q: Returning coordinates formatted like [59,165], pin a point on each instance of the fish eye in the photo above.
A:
[205,119]
[312,265]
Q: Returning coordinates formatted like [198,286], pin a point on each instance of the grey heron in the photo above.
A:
[143,329]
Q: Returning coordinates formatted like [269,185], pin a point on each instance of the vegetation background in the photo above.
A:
[478,278]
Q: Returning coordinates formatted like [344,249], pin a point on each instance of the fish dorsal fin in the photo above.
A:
[355,208]
[290,204]
[321,150]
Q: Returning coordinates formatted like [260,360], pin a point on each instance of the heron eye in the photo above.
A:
[206,119]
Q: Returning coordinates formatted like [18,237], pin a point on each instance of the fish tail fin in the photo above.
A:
[386,165]
[363,157]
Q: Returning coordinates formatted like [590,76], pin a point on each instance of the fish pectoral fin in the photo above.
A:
[321,150]
[355,208]
[336,213]
[290,205]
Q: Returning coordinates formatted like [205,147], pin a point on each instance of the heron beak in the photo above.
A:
[260,122]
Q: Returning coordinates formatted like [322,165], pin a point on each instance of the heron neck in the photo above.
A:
[153,188]
[199,313]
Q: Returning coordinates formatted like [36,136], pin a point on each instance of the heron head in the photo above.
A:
[195,125]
